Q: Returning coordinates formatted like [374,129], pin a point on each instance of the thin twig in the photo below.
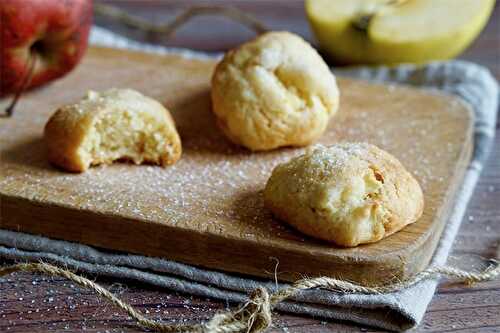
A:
[169,28]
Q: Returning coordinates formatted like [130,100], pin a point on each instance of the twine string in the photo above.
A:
[255,315]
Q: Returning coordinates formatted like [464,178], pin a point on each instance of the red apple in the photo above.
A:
[52,33]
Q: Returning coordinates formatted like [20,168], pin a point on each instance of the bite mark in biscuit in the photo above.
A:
[118,124]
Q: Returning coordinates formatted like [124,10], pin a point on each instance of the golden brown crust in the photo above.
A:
[348,194]
[273,91]
[77,135]
[64,133]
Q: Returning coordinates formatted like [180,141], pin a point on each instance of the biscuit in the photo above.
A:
[117,124]
[273,91]
[348,194]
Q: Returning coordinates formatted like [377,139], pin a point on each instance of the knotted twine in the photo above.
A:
[255,315]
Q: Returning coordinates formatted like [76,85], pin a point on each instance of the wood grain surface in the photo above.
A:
[207,209]
[36,304]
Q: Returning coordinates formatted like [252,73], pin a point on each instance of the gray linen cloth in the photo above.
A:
[394,311]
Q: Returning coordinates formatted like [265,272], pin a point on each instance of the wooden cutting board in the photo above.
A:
[207,209]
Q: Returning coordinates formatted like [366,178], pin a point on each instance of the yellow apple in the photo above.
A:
[396,31]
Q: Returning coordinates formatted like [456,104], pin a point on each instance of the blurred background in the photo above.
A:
[215,33]
[209,32]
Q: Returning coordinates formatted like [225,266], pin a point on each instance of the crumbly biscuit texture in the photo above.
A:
[117,124]
[348,194]
[274,91]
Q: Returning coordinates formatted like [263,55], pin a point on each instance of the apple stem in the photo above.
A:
[9,111]
[363,20]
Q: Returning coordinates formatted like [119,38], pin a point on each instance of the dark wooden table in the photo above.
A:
[37,304]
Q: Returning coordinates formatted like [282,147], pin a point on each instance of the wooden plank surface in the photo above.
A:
[56,305]
[208,209]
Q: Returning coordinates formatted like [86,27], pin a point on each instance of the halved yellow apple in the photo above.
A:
[396,31]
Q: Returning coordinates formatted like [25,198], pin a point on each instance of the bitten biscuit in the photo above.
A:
[348,194]
[273,91]
[117,124]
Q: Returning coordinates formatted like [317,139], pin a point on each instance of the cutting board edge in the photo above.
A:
[242,259]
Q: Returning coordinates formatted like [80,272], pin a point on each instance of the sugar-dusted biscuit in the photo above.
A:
[348,194]
[273,91]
